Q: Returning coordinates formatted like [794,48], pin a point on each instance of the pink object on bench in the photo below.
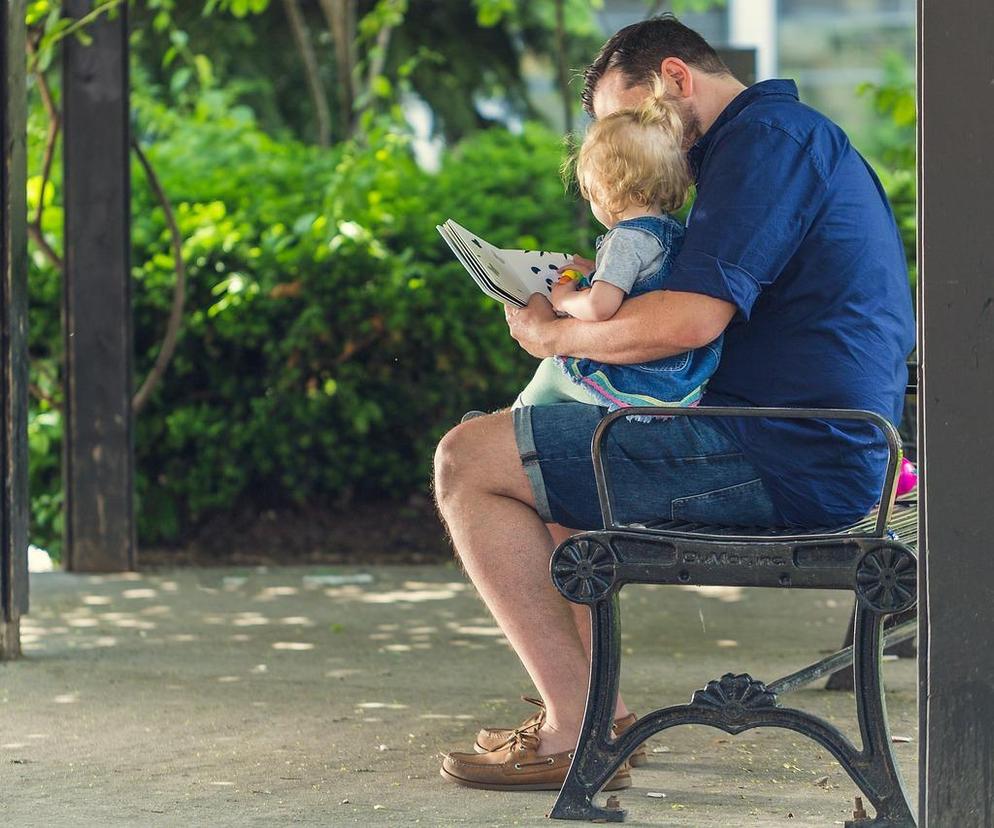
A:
[907,478]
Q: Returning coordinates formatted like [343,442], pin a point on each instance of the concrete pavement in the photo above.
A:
[325,696]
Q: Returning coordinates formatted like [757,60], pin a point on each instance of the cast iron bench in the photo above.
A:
[875,558]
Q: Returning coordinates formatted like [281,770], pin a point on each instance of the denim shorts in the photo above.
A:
[679,468]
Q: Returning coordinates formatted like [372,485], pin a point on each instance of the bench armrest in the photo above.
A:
[882,424]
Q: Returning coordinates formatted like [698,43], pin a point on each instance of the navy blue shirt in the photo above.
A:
[793,228]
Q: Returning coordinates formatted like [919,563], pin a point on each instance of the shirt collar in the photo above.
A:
[749,95]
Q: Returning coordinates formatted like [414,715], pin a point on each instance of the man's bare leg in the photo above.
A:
[486,502]
[581,614]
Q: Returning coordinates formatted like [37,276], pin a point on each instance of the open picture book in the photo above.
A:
[509,276]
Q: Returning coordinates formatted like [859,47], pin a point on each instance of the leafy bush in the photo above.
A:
[330,337]
[892,148]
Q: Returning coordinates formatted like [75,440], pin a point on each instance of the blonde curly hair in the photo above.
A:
[635,157]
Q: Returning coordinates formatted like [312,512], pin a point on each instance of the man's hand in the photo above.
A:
[532,326]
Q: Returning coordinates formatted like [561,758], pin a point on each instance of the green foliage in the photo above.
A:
[45,19]
[452,60]
[330,337]
[684,6]
[238,8]
[892,147]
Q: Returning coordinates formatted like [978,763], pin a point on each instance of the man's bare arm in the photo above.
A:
[651,326]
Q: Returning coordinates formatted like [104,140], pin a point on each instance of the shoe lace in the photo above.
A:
[523,739]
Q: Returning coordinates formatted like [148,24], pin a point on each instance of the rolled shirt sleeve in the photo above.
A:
[750,215]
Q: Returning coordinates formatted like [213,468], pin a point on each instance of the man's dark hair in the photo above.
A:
[637,50]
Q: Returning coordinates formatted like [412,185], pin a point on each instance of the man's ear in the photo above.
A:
[677,76]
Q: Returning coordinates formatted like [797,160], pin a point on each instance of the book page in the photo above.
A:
[475,268]
[517,273]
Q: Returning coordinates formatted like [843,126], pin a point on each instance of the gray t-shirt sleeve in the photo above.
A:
[625,254]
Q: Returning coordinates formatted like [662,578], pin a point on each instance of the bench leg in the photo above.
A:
[596,758]
[843,679]
[877,755]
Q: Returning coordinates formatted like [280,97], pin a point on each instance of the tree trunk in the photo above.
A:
[562,68]
[340,15]
[302,38]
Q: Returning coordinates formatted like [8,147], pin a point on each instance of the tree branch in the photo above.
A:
[47,250]
[302,38]
[340,16]
[46,167]
[562,69]
[171,337]
[46,93]
[54,125]
[379,58]
[38,394]
[88,18]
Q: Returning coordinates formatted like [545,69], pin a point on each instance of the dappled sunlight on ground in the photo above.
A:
[320,696]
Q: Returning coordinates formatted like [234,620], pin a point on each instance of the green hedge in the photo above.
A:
[330,337]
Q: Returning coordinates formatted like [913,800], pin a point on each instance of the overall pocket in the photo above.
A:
[672,364]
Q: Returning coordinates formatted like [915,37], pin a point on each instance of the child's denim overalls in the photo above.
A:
[675,380]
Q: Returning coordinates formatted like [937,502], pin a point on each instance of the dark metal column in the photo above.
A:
[956,339]
[99,513]
[13,333]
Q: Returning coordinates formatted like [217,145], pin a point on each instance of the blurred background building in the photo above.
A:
[830,47]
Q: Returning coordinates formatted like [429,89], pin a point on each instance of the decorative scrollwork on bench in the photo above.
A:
[734,696]
[887,579]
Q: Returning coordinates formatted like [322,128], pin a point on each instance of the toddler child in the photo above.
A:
[632,169]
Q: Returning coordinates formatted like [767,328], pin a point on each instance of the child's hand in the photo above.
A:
[585,266]
[560,292]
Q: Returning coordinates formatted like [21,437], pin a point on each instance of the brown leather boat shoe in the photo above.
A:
[639,756]
[517,766]
[491,738]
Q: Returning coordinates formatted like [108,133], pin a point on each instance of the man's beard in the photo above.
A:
[691,123]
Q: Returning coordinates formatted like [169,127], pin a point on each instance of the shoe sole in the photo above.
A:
[618,783]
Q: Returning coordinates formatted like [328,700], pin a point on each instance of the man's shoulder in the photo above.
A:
[791,122]
[769,128]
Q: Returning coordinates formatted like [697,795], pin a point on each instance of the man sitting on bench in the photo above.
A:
[792,251]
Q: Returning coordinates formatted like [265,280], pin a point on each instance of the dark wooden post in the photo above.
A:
[13,334]
[956,438]
[99,513]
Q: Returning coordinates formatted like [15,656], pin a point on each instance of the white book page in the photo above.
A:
[536,269]
[519,273]
[474,268]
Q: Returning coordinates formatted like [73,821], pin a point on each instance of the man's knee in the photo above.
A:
[454,459]
[479,457]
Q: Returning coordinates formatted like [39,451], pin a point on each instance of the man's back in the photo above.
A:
[793,227]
